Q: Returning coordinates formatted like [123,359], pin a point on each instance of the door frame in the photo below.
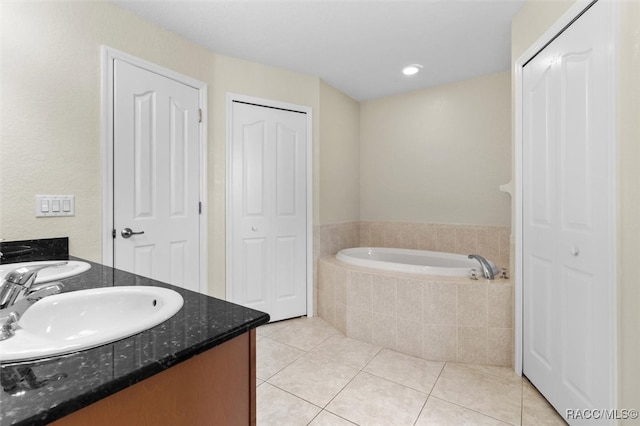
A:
[108,55]
[552,32]
[269,103]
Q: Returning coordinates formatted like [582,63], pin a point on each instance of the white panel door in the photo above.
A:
[156,176]
[567,223]
[268,210]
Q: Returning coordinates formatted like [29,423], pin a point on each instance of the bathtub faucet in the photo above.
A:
[487,267]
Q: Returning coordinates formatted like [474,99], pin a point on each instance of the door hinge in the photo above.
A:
[200,115]
[113,233]
[199,207]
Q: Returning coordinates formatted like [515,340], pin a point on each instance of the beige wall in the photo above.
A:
[535,17]
[438,155]
[51,114]
[339,156]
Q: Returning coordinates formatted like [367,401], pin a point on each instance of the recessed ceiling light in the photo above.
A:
[411,69]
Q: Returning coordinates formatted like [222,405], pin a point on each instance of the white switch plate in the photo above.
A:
[55,205]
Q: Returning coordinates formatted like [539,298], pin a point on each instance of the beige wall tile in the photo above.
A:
[341,317]
[499,305]
[360,324]
[410,299]
[365,234]
[472,304]
[440,303]
[472,345]
[384,295]
[407,235]
[466,239]
[440,342]
[384,330]
[446,238]
[409,337]
[360,291]
[500,346]
[427,237]
[325,292]
[342,281]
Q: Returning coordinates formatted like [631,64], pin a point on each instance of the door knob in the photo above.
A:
[574,251]
[127,233]
[254,229]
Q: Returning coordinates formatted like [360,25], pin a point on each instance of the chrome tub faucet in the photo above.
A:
[488,269]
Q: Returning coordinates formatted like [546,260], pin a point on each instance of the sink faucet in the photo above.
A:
[18,282]
[487,267]
[18,293]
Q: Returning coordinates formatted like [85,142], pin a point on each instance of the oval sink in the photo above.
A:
[73,267]
[83,319]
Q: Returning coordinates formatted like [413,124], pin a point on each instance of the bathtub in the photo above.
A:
[410,261]
[426,315]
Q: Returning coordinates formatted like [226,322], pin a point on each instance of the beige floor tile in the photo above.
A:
[504,372]
[344,350]
[320,323]
[326,418]
[406,370]
[314,379]
[371,400]
[536,410]
[277,407]
[272,356]
[442,413]
[486,393]
[301,335]
[267,329]
[259,382]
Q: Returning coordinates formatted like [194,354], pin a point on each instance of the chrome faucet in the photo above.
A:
[488,269]
[18,293]
[18,282]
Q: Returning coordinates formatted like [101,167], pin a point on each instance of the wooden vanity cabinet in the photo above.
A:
[216,387]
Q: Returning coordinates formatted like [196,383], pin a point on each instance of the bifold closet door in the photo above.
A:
[568,217]
[268,210]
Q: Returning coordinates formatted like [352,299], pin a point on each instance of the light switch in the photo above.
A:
[55,205]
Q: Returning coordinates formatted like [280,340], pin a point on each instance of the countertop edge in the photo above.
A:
[68,407]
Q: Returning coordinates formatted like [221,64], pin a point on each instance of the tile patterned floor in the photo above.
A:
[310,374]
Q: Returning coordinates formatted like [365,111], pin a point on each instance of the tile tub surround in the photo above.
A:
[491,242]
[434,318]
[91,375]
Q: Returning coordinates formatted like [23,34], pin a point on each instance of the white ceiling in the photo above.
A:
[358,46]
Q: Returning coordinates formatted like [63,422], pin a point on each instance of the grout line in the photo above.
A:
[471,409]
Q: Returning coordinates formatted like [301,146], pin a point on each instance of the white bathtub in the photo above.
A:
[410,261]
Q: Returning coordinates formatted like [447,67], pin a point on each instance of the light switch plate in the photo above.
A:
[55,205]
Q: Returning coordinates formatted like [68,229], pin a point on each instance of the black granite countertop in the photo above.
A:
[39,392]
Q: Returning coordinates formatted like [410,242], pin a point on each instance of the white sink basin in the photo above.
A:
[73,267]
[69,322]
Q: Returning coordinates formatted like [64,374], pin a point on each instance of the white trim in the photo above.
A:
[108,56]
[229,221]
[548,35]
